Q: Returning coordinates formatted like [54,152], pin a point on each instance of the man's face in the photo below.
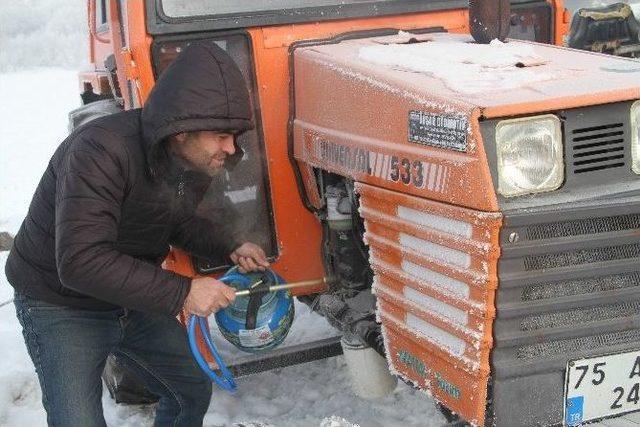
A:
[203,151]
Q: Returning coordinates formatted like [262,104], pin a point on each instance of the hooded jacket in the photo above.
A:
[111,200]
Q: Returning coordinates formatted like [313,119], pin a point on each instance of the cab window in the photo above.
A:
[239,197]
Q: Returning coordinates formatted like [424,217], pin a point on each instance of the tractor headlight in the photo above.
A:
[530,155]
[635,137]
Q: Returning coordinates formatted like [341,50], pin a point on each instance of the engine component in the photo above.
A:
[347,255]
[349,305]
[368,370]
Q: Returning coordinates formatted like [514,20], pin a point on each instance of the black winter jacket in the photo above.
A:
[112,201]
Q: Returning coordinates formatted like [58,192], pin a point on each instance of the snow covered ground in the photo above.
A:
[33,120]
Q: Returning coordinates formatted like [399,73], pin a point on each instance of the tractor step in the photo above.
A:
[286,356]
[126,388]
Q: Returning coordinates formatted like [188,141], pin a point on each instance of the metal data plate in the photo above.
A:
[600,387]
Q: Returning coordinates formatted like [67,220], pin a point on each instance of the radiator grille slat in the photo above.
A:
[599,135]
[596,128]
[580,287]
[555,348]
[580,316]
[583,226]
[597,144]
[596,152]
[581,257]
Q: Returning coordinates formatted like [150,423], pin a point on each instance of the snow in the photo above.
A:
[468,68]
[336,422]
[36,33]
[34,117]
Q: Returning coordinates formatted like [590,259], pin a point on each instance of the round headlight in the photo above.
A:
[530,156]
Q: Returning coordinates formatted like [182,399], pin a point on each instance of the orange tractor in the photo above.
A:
[477,204]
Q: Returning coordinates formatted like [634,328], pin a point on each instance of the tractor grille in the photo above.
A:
[560,299]
[598,147]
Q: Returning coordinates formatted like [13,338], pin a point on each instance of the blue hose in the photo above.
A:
[226,381]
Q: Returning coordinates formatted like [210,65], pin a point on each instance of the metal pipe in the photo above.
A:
[274,288]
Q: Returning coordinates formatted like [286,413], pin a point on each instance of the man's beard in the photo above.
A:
[215,166]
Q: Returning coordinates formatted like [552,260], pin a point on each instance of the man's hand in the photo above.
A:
[249,257]
[207,296]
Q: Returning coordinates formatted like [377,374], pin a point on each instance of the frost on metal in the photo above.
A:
[336,421]
[447,283]
[447,225]
[444,339]
[464,67]
[445,310]
[387,87]
[436,251]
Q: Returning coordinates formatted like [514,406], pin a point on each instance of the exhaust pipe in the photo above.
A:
[489,19]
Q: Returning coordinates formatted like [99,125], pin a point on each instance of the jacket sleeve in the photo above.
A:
[90,190]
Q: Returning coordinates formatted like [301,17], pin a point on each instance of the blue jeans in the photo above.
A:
[69,348]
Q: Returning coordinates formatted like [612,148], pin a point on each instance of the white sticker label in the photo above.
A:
[439,131]
[255,337]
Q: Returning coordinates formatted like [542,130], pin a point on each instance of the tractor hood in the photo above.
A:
[501,79]
[403,112]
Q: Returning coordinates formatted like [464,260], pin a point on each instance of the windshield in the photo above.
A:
[182,9]
[176,16]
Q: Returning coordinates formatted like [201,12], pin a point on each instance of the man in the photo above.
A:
[85,264]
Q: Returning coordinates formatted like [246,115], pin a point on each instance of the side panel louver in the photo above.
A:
[435,279]
[598,147]
[597,142]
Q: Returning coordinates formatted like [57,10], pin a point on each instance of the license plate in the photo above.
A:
[599,387]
